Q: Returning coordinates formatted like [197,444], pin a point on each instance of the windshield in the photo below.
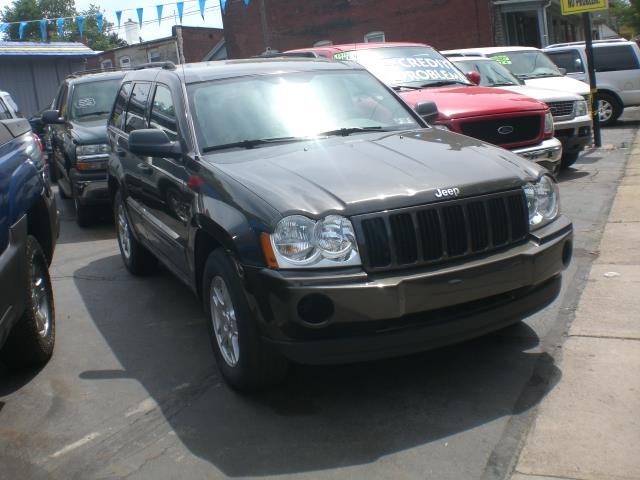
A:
[527,63]
[492,74]
[247,111]
[92,100]
[407,66]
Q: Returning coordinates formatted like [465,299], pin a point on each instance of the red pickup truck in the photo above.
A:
[420,73]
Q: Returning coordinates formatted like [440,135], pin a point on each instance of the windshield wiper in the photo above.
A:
[92,113]
[408,87]
[251,143]
[442,83]
[504,84]
[348,131]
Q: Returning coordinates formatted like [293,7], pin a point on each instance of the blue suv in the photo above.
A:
[29,228]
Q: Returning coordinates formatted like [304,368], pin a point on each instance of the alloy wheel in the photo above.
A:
[40,299]
[223,318]
[123,232]
[605,111]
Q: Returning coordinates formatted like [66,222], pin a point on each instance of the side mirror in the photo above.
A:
[474,77]
[428,111]
[51,117]
[563,71]
[151,142]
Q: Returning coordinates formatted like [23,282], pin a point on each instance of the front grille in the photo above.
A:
[436,233]
[512,130]
[561,109]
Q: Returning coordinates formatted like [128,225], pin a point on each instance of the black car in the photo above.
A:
[28,233]
[78,138]
[320,219]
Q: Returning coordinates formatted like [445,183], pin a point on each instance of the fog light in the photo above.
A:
[315,308]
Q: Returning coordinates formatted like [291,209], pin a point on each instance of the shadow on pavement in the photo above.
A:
[323,417]
[568,174]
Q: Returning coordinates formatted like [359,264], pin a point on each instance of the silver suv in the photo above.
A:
[617,65]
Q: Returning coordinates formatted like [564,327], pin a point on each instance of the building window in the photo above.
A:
[125,62]
[154,55]
[105,64]
[374,37]
[323,43]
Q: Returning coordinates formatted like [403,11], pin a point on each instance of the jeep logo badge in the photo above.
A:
[447,192]
[505,129]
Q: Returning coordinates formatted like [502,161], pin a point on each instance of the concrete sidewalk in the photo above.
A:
[588,427]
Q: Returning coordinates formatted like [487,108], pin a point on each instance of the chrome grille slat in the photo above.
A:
[435,233]
[561,109]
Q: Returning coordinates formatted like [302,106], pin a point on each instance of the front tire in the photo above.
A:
[138,260]
[31,340]
[569,159]
[246,362]
[609,109]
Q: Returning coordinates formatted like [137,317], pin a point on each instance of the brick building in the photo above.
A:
[285,24]
[186,44]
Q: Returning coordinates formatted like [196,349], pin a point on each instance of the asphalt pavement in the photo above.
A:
[132,390]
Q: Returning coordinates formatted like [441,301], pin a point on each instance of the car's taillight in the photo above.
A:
[39,146]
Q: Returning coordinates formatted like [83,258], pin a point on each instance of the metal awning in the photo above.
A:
[42,49]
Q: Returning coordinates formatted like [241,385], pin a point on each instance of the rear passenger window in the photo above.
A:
[4,112]
[569,60]
[117,116]
[136,112]
[163,113]
[614,58]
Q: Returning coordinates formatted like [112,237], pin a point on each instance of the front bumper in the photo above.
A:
[574,134]
[547,154]
[320,318]
[90,187]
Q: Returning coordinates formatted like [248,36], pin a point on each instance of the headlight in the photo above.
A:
[581,108]
[301,242]
[439,126]
[542,201]
[548,123]
[97,149]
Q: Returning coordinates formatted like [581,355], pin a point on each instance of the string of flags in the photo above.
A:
[99,17]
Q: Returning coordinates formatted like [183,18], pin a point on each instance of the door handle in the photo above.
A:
[145,168]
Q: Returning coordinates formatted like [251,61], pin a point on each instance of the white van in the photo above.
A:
[617,65]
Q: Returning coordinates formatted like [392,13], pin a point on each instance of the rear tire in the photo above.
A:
[246,362]
[31,340]
[609,109]
[138,260]
[569,159]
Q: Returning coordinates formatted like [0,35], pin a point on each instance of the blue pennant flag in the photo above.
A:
[202,8]
[43,29]
[223,4]
[3,27]
[80,22]
[60,23]
[99,21]
[119,16]
[23,25]
[139,10]
[159,10]
[180,6]
[246,3]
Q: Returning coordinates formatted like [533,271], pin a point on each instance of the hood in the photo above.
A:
[543,94]
[372,172]
[463,101]
[565,84]
[89,132]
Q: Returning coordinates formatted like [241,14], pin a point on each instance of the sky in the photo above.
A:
[150,29]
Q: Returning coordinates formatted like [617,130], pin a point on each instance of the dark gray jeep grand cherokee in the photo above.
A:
[320,219]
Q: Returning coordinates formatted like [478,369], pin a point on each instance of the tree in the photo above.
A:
[95,40]
[25,10]
[627,13]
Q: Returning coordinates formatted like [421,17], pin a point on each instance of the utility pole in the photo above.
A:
[588,42]
[265,27]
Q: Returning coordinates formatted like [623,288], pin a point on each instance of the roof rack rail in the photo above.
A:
[607,40]
[96,70]
[167,65]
